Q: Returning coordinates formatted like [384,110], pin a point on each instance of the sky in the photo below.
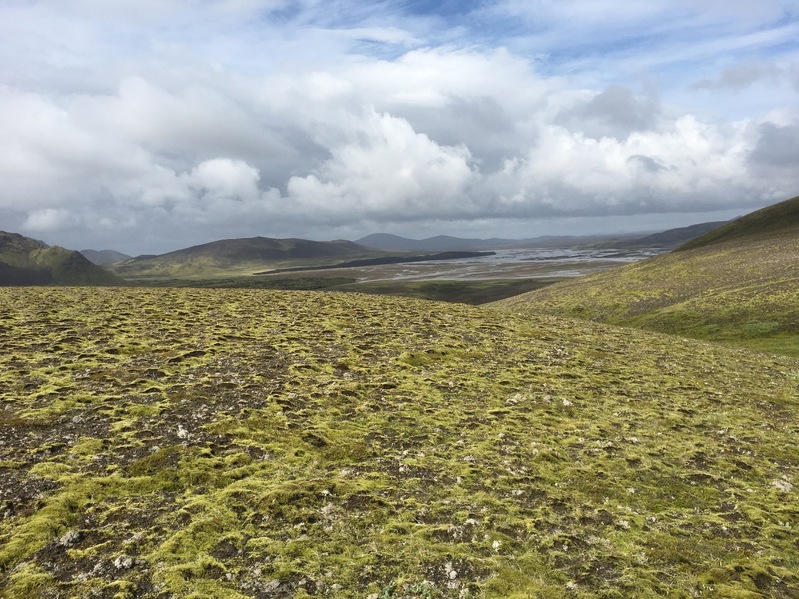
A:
[147,126]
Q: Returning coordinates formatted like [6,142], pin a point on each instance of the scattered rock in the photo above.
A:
[124,562]
[782,485]
[69,538]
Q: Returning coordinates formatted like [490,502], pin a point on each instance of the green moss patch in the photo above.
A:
[242,443]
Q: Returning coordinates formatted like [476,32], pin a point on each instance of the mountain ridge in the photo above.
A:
[670,238]
[666,238]
[26,261]
[253,253]
[104,257]
[388,241]
[770,220]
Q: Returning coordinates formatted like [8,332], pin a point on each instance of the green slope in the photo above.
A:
[769,221]
[15,250]
[738,284]
[229,443]
[25,261]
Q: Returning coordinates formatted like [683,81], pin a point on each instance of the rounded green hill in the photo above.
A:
[25,261]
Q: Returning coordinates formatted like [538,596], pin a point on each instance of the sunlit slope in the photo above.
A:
[738,284]
[229,443]
[770,221]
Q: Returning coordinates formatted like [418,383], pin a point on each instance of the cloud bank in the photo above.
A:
[148,126]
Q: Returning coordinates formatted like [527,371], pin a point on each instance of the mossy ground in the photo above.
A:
[458,290]
[253,443]
[461,291]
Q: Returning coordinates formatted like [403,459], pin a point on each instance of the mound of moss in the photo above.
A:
[249,443]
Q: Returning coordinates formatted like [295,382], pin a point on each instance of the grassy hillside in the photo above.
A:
[738,284]
[241,256]
[25,261]
[232,443]
[769,221]
[15,249]
[69,267]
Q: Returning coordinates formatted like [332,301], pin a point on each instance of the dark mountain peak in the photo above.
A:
[14,243]
[25,261]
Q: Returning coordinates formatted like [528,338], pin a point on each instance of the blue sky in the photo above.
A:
[145,126]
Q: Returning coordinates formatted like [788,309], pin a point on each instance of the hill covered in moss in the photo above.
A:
[770,221]
[738,284]
[25,261]
[240,443]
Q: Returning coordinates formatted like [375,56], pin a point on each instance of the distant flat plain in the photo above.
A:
[505,264]
[475,280]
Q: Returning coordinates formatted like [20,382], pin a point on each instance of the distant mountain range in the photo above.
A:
[103,257]
[665,239]
[446,243]
[25,261]
[242,256]
[439,243]
[671,239]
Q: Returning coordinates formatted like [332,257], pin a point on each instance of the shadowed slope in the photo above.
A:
[25,261]
[227,443]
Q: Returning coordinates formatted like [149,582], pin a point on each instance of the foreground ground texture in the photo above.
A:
[232,443]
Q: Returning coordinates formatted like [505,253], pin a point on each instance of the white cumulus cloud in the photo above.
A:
[47,220]
[154,125]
